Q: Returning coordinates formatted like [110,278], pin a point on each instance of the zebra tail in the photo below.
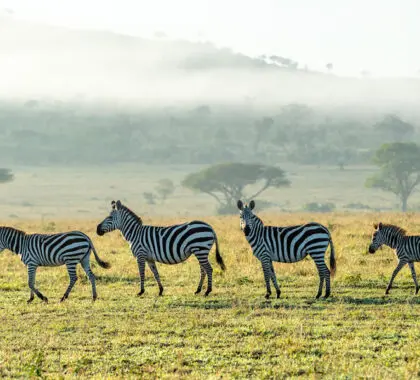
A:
[333,266]
[103,264]
[219,258]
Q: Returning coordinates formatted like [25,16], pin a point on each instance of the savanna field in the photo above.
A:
[233,333]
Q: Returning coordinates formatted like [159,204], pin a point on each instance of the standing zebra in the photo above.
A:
[407,248]
[39,250]
[167,245]
[287,245]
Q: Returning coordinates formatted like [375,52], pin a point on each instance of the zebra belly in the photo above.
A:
[166,257]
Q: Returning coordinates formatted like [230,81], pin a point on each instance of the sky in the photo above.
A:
[378,36]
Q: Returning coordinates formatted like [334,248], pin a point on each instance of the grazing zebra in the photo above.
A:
[40,250]
[167,245]
[407,248]
[287,245]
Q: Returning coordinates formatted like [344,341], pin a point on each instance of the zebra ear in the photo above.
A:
[240,205]
[379,226]
[118,204]
[251,205]
[113,205]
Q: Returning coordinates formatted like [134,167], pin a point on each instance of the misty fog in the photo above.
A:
[89,116]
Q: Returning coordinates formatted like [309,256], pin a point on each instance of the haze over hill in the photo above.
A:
[58,63]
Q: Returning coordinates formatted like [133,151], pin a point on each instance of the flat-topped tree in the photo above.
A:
[6,175]
[399,170]
[227,182]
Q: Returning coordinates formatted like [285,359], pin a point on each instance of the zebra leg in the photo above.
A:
[71,269]
[413,273]
[202,277]
[266,267]
[31,297]
[86,267]
[323,273]
[153,268]
[31,283]
[396,270]
[203,259]
[274,279]
[141,262]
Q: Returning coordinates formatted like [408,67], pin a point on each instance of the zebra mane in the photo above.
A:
[394,229]
[132,214]
[12,229]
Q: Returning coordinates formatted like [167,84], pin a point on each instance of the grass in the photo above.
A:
[85,192]
[233,333]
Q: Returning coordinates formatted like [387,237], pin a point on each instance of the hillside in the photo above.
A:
[55,62]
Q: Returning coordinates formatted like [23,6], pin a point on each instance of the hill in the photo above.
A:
[56,62]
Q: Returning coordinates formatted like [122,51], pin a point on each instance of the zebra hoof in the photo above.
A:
[267,296]
[29,300]
[278,295]
[326,296]
[318,295]
[160,292]
[63,299]
[94,298]
[198,291]
[140,293]
[417,289]
[207,293]
[45,299]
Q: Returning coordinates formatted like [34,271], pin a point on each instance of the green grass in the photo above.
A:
[233,333]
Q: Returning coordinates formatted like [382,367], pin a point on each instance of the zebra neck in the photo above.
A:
[130,230]
[255,235]
[14,240]
[395,241]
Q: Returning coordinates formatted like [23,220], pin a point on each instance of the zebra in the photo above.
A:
[50,250]
[407,248]
[167,245]
[287,245]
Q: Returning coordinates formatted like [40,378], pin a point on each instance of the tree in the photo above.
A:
[392,127]
[226,182]
[399,172]
[6,175]
[165,188]
[262,127]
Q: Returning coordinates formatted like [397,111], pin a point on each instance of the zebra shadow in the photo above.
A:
[379,300]
[114,279]
[206,304]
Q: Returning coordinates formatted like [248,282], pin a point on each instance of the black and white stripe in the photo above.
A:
[167,245]
[40,250]
[287,245]
[407,248]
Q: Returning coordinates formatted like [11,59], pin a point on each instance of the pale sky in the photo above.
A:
[380,36]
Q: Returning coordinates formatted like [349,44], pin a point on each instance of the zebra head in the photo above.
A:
[246,216]
[111,222]
[378,238]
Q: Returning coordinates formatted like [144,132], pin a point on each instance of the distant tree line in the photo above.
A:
[37,133]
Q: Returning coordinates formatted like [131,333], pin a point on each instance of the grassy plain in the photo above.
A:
[233,333]
[85,192]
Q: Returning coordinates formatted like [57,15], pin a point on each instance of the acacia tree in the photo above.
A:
[226,183]
[392,127]
[6,175]
[399,170]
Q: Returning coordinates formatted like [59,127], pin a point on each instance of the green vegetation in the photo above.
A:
[6,175]
[234,332]
[399,170]
[226,182]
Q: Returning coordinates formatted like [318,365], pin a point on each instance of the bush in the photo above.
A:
[319,207]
